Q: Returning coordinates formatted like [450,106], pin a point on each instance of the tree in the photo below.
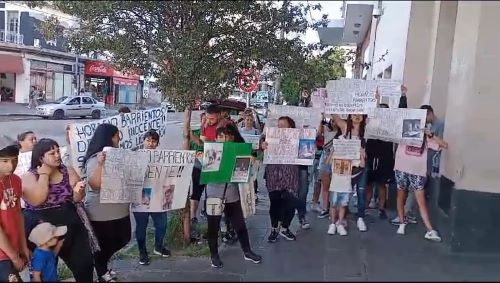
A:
[194,48]
[313,74]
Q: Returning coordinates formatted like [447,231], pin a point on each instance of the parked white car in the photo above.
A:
[72,106]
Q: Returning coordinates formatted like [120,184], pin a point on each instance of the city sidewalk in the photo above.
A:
[376,255]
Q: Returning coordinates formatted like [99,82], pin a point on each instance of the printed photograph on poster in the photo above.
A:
[146,196]
[342,167]
[411,128]
[241,172]
[212,157]
[168,196]
[253,139]
[307,149]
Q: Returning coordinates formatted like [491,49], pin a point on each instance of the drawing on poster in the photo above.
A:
[146,196]
[346,149]
[307,149]
[212,157]
[411,128]
[123,176]
[168,196]
[241,171]
[342,167]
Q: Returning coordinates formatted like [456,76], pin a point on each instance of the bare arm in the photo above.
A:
[6,247]
[24,245]
[37,276]
[95,177]
[442,143]
[73,181]
[58,246]
[35,191]
[196,139]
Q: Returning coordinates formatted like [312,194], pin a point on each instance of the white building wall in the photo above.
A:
[392,32]
[23,83]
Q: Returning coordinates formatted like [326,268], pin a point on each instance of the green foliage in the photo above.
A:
[195,48]
[313,74]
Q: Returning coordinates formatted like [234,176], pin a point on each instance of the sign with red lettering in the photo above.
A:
[103,69]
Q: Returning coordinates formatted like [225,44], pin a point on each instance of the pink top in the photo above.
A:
[409,159]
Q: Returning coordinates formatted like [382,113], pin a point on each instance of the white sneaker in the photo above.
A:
[315,207]
[401,229]
[341,230]
[433,236]
[361,225]
[332,229]
[372,204]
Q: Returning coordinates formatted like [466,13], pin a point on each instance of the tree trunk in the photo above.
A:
[186,219]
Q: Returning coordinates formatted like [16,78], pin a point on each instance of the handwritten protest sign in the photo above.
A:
[390,92]
[346,149]
[132,127]
[253,139]
[350,96]
[247,198]
[304,118]
[290,146]
[123,175]
[398,125]
[167,180]
[318,99]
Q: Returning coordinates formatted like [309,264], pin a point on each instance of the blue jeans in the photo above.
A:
[359,183]
[141,223]
[303,191]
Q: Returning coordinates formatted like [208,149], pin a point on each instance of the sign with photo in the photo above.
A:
[290,146]
[341,176]
[167,180]
[400,125]
[132,127]
[241,171]
[253,139]
[219,161]
[304,117]
[247,198]
[123,175]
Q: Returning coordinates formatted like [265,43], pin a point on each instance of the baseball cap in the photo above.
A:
[45,231]
[8,147]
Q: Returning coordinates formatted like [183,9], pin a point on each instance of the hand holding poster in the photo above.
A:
[390,92]
[167,181]
[303,117]
[398,125]
[132,127]
[123,175]
[253,139]
[346,149]
[350,96]
[290,146]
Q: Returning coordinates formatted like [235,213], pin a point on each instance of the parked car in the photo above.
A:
[72,106]
[170,107]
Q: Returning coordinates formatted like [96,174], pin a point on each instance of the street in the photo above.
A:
[54,129]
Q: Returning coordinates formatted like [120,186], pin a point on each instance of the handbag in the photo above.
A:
[215,206]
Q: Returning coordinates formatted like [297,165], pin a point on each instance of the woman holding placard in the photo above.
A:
[111,221]
[226,198]
[282,181]
[50,190]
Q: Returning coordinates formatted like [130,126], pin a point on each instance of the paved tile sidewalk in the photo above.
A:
[376,255]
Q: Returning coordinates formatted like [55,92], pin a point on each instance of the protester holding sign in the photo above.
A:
[226,198]
[50,190]
[352,128]
[411,174]
[141,215]
[282,181]
[111,221]
[249,129]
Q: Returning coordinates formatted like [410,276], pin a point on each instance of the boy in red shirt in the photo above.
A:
[14,253]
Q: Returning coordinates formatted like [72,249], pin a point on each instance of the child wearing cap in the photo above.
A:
[44,262]
[14,252]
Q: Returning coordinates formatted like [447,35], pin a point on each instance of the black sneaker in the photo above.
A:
[251,256]
[144,259]
[229,239]
[381,214]
[288,235]
[163,252]
[216,262]
[273,237]
[324,214]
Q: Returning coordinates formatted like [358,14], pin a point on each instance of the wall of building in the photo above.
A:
[23,83]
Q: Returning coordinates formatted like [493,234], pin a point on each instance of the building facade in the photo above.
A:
[446,53]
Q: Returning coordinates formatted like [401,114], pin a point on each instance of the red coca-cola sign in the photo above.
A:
[98,68]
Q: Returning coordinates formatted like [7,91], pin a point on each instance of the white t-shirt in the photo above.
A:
[412,160]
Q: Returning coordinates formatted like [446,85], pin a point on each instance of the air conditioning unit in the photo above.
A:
[36,42]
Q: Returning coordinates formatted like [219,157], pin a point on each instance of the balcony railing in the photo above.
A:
[11,37]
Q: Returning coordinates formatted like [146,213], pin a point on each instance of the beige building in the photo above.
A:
[446,53]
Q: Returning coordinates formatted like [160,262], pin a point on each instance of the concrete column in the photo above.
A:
[420,46]
[471,165]
[23,83]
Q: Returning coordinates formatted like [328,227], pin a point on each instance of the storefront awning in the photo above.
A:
[124,81]
[11,64]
